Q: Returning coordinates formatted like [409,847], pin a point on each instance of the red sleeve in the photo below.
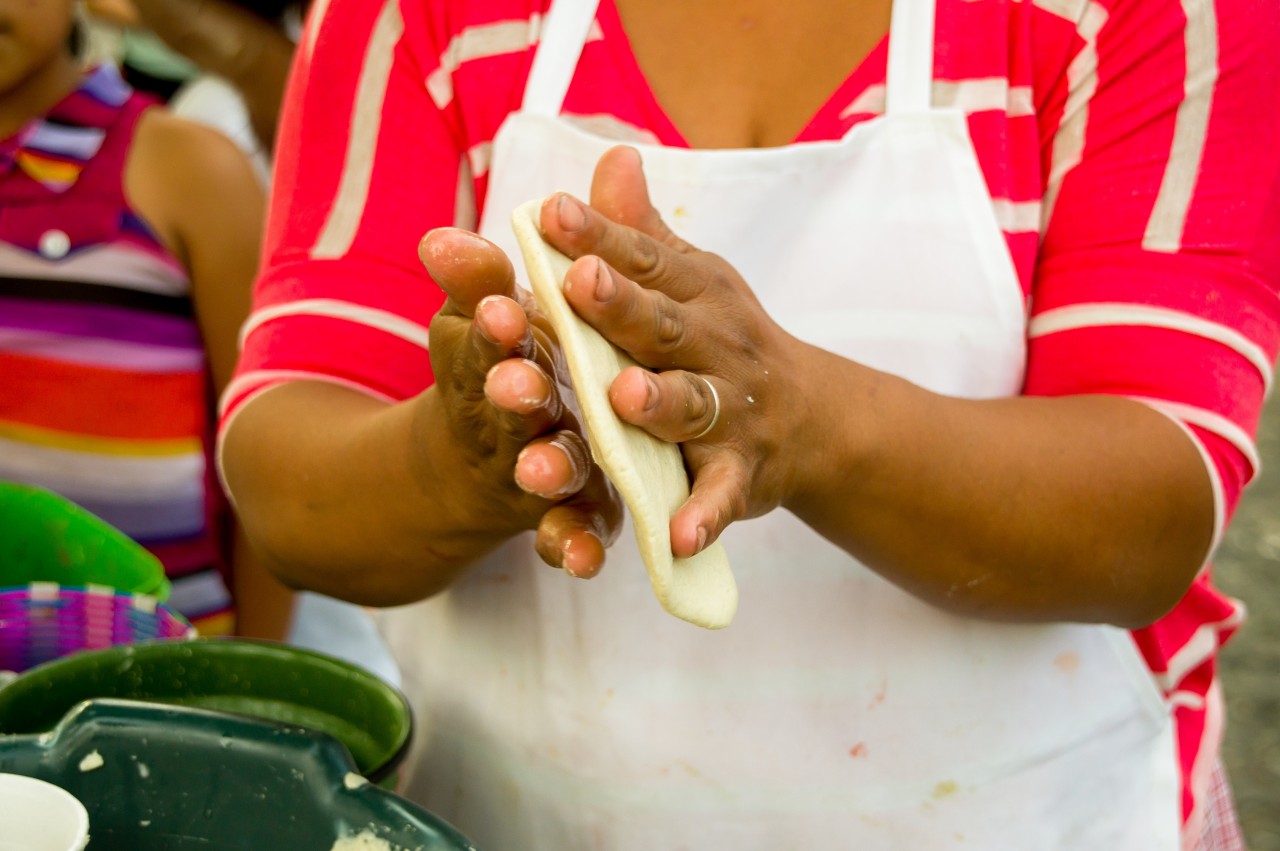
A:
[1160,265]
[366,164]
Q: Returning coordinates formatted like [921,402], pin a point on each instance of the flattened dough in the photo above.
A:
[648,472]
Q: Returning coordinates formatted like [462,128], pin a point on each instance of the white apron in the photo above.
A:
[836,711]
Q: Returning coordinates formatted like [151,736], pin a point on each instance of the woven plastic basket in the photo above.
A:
[44,621]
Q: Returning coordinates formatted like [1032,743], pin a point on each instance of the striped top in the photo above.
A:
[106,388]
[1145,234]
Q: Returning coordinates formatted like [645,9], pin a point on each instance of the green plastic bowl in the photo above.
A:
[46,538]
[168,778]
[261,679]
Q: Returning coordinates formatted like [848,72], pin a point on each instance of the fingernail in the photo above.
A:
[480,326]
[605,288]
[702,538]
[572,216]
[571,554]
[577,473]
[532,389]
[520,461]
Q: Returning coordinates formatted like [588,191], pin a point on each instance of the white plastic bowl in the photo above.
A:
[39,816]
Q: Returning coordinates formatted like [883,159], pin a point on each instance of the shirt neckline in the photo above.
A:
[826,124]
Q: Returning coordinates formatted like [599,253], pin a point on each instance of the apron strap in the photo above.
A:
[909,78]
[564,32]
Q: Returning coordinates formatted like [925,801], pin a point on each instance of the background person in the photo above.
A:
[128,241]
[244,48]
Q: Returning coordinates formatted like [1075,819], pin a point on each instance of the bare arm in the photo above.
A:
[1085,508]
[250,53]
[200,193]
[434,474]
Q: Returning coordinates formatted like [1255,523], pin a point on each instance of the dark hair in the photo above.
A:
[271,10]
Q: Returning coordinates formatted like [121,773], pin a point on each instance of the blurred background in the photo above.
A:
[1248,566]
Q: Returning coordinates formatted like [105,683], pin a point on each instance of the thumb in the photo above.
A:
[620,192]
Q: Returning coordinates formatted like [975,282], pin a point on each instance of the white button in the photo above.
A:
[55,244]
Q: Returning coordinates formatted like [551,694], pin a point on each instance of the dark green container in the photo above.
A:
[167,778]
[46,538]
[260,679]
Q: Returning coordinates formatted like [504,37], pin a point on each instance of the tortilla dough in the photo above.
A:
[649,473]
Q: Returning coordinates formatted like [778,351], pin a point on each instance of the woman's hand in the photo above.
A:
[510,411]
[718,364]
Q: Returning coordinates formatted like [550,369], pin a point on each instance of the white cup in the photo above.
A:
[39,816]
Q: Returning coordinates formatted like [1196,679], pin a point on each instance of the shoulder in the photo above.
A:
[186,151]
[181,176]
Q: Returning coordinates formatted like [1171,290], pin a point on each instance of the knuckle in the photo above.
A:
[667,328]
[668,334]
[646,257]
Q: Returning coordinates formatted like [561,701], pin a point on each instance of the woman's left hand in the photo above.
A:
[719,368]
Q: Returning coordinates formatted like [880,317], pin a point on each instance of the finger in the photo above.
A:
[555,466]
[577,230]
[501,330]
[467,267]
[525,397]
[464,350]
[565,539]
[675,406]
[575,534]
[717,499]
[621,193]
[647,324]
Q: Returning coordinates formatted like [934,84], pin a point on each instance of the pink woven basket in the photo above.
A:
[44,621]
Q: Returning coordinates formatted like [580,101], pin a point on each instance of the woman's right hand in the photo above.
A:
[503,388]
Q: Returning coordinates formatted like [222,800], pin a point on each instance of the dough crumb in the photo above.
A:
[364,841]
[354,781]
[92,761]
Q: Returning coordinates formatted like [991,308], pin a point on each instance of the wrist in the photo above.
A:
[840,409]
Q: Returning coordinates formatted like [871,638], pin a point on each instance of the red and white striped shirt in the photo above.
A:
[1126,144]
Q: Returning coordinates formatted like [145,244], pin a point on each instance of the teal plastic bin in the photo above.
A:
[167,778]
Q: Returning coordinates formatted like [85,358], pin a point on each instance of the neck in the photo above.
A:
[37,93]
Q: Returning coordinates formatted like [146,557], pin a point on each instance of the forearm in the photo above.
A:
[264,607]
[355,498]
[1084,508]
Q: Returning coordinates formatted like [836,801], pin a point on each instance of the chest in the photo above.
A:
[748,73]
